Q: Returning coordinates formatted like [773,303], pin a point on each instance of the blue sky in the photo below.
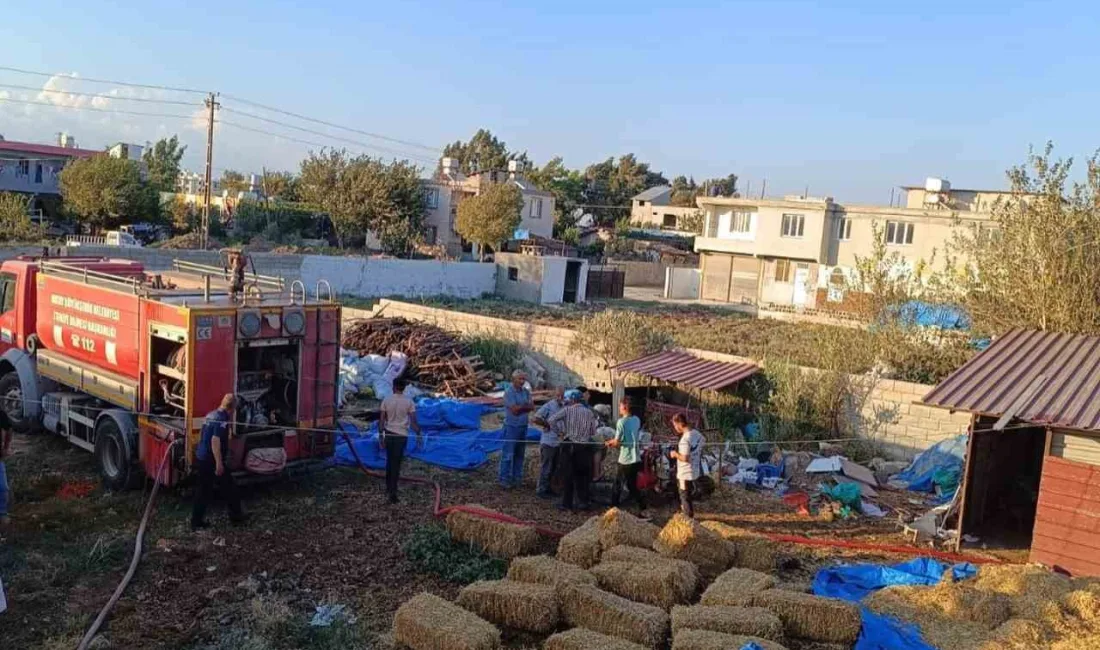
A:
[847,98]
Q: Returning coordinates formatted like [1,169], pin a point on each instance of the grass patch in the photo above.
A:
[431,550]
[497,355]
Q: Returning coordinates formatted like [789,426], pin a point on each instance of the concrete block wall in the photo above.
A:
[904,427]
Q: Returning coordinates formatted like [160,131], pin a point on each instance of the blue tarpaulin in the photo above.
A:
[452,438]
[944,455]
[926,314]
[856,581]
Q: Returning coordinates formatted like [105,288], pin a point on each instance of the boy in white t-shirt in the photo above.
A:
[688,454]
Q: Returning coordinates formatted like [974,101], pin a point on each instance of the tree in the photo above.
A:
[15,221]
[483,151]
[683,193]
[163,161]
[105,192]
[233,181]
[1037,265]
[282,186]
[322,184]
[614,336]
[614,182]
[492,216]
[721,186]
[183,215]
[395,205]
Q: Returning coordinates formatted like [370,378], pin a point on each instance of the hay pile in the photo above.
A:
[748,621]
[620,528]
[582,546]
[497,538]
[811,617]
[581,639]
[708,640]
[662,583]
[597,610]
[545,570]
[642,556]
[427,622]
[685,539]
[752,550]
[518,605]
[736,588]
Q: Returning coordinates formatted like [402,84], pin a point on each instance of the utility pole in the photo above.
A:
[211,104]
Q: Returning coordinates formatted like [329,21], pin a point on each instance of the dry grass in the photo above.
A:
[497,538]
[427,622]
[620,528]
[752,550]
[736,588]
[750,621]
[709,640]
[645,556]
[662,584]
[589,607]
[1029,586]
[518,605]
[811,617]
[582,546]
[545,570]
[581,639]
[685,539]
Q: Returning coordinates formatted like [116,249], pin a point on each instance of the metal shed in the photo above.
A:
[1033,457]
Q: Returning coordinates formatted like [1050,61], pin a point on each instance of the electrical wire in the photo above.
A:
[101,95]
[93,109]
[105,81]
[321,144]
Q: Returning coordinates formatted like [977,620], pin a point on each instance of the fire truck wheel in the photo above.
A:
[112,451]
[11,400]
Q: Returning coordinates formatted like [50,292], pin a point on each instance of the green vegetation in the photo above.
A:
[15,224]
[105,192]
[615,336]
[497,354]
[431,549]
[491,217]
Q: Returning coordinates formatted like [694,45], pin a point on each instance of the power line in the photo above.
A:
[101,95]
[92,108]
[104,81]
[319,144]
[434,150]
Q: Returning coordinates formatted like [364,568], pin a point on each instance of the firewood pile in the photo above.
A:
[438,360]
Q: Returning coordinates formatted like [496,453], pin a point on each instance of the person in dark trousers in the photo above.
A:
[576,423]
[517,408]
[688,457]
[211,455]
[5,451]
[626,440]
[398,415]
[548,444]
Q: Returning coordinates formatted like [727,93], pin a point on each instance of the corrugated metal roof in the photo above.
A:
[1045,378]
[652,193]
[684,368]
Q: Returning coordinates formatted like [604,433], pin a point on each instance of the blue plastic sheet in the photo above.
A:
[926,314]
[752,645]
[856,581]
[944,455]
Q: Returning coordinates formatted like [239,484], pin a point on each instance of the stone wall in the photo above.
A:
[904,427]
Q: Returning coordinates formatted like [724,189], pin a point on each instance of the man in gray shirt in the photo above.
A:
[548,444]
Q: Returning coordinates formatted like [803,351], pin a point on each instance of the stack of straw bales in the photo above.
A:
[620,528]
[746,621]
[581,639]
[589,607]
[582,546]
[645,556]
[828,620]
[497,538]
[707,640]
[685,539]
[545,570]
[427,622]
[736,588]
[518,605]
[662,583]
[753,551]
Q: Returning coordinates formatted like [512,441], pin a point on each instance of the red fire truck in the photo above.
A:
[120,362]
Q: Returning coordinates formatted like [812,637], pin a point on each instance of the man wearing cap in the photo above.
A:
[577,425]
[517,406]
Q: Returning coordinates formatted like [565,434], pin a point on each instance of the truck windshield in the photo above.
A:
[7,289]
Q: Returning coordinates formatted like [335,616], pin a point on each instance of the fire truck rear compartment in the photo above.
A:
[267,383]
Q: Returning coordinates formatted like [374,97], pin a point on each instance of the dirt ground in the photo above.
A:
[323,539]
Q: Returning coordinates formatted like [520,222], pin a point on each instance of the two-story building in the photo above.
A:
[33,169]
[451,186]
[799,251]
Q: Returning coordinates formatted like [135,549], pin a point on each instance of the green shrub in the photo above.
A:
[497,355]
[431,550]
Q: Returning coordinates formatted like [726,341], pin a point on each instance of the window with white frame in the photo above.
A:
[536,208]
[741,221]
[899,232]
[843,229]
[793,225]
[431,197]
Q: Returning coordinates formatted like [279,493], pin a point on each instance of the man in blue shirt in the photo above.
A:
[627,441]
[211,456]
[548,444]
[517,406]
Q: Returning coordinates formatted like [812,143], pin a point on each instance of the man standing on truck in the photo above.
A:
[211,456]
[397,415]
[5,451]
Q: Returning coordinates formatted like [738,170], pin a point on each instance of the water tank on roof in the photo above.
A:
[937,185]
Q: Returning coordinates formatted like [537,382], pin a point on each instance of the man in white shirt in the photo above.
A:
[397,416]
[688,456]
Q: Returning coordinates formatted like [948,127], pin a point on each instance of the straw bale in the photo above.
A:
[644,556]
[708,640]
[427,622]
[796,586]
[752,550]
[685,539]
[620,528]
[518,605]
[1016,634]
[581,639]
[1083,604]
[545,570]
[582,546]
[1029,586]
[936,628]
[497,538]
[750,621]
[736,588]
[589,607]
[662,584]
[812,617]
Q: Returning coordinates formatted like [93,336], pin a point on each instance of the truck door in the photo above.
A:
[9,321]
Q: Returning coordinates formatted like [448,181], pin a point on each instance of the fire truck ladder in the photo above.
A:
[326,359]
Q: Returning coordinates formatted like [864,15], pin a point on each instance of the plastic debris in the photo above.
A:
[872,510]
[326,615]
[824,465]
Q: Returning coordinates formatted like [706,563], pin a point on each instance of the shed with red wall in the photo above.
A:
[1067,518]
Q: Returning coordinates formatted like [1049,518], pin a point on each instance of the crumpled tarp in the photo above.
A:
[926,314]
[452,438]
[946,455]
[856,581]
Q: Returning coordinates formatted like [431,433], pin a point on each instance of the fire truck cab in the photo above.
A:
[120,362]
